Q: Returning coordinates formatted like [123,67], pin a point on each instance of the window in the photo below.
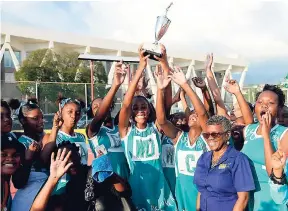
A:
[8,59]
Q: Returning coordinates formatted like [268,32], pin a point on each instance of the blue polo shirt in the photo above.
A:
[219,186]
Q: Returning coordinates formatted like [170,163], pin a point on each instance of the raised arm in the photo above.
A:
[185,105]
[179,78]
[169,129]
[279,187]
[125,111]
[58,167]
[102,112]
[221,110]
[233,88]
[49,140]
[166,71]
[208,104]
[268,148]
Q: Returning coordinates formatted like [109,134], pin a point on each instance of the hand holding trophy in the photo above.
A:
[161,28]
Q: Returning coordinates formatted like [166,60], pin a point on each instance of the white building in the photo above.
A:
[18,41]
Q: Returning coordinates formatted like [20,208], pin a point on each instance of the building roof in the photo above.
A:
[37,35]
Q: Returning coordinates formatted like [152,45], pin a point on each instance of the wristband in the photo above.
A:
[282,179]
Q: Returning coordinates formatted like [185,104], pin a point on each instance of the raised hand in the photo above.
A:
[143,59]
[60,165]
[162,81]
[232,86]
[33,148]
[57,120]
[143,83]
[199,82]
[120,73]
[209,61]
[178,76]
[278,160]
[163,60]
[266,126]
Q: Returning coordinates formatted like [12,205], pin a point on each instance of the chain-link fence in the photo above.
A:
[47,94]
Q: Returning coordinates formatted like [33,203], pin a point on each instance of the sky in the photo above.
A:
[255,30]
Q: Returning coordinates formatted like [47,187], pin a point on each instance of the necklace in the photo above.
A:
[215,161]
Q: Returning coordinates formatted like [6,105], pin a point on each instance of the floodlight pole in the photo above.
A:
[92,79]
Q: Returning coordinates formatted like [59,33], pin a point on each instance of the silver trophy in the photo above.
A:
[161,28]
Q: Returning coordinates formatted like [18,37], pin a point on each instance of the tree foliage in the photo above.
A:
[44,65]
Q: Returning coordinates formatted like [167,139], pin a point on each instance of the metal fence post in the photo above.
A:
[36,90]
[86,102]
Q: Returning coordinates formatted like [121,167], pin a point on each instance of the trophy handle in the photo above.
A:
[168,8]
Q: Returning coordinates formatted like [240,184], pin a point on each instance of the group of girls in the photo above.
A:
[153,154]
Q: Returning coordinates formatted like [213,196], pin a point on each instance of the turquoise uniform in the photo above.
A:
[150,190]
[26,141]
[186,157]
[37,166]
[168,164]
[110,139]
[80,141]
[260,199]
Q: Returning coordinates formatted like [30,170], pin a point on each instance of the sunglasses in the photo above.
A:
[214,135]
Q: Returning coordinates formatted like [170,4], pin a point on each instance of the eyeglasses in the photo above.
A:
[214,135]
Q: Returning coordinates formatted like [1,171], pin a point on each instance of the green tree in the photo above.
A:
[44,65]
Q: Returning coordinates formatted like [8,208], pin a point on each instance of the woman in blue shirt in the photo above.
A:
[223,176]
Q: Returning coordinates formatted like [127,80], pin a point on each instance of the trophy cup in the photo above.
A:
[161,27]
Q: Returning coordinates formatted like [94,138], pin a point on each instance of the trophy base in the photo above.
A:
[152,50]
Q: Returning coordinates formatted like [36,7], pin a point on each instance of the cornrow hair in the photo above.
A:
[78,102]
[28,106]
[278,91]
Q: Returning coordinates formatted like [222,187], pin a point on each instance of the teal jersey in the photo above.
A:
[168,164]
[260,199]
[186,157]
[80,141]
[26,141]
[37,166]
[150,190]
[110,139]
